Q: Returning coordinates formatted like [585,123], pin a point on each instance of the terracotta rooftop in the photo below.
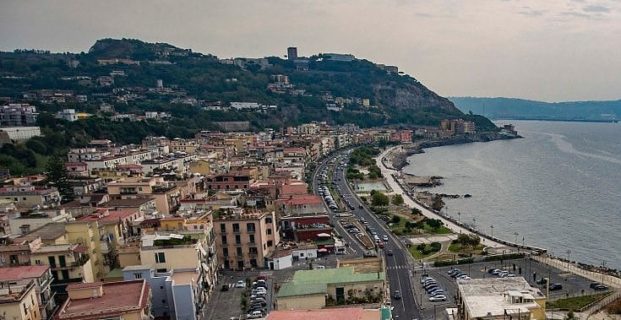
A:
[22,272]
[301,199]
[324,314]
[118,298]
[111,217]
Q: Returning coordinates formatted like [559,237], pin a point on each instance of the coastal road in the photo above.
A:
[398,266]
[388,175]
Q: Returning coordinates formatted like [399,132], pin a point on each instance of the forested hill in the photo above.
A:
[194,81]
[515,109]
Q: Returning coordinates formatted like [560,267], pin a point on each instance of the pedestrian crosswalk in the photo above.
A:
[398,267]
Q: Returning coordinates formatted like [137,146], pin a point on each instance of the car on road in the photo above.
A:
[397,295]
[555,286]
[240,284]
[385,238]
[598,286]
[359,206]
[437,298]
[389,252]
[542,281]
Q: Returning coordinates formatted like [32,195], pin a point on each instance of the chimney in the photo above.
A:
[24,229]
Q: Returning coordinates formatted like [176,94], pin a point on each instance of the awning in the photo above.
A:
[322,250]
[323,235]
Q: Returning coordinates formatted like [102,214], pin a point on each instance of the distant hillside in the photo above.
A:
[515,109]
[197,80]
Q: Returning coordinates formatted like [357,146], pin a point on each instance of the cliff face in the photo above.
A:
[413,96]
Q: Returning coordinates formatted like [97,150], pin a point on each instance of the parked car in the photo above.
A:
[385,237]
[254,315]
[225,287]
[598,286]
[437,298]
[240,284]
[555,286]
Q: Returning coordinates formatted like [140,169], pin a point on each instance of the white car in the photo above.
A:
[437,298]
[240,284]
[385,238]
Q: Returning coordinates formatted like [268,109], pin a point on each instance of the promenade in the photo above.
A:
[389,174]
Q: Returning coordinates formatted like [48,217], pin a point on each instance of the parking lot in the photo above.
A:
[572,285]
[226,302]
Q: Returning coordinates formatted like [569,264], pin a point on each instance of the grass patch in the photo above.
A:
[460,248]
[424,250]
[576,303]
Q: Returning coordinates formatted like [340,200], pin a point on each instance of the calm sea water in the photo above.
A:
[558,188]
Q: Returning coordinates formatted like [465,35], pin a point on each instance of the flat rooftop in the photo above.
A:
[50,231]
[326,314]
[22,272]
[493,295]
[118,298]
[316,281]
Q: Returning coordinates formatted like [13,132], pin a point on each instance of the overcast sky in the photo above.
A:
[553,50]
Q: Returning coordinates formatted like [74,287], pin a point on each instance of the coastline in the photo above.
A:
[398,160]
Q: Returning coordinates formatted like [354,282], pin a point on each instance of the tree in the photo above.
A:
[434,223]
[438,203]
[395,219]
[397,200]
[379,199]
[416,211]
[57,177]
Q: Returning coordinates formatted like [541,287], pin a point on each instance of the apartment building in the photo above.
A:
[19,300]
[245,237]
[29,196]
[128,300]
[67,262]
[18,115]
[175,294]
[166,194]
[42,278]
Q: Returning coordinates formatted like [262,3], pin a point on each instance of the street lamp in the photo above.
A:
[459,216]
[492,227]
[568,260]
[474,223]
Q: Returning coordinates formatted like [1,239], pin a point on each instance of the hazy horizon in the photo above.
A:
[559,50]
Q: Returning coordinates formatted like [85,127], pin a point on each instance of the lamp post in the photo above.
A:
[474,223]
[459,217]
[492,228]
[568,256]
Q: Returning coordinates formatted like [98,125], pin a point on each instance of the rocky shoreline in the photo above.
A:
[399,159]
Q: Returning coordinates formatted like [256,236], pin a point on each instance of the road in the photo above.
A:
[398,267]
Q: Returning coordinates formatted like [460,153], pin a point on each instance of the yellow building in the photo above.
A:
[165,194]
[101,236]
[498,298]
[20,302]
[68,262]
[128,300]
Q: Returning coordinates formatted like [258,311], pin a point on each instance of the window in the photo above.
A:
[253,250]
[250,227]
[160,257]
[268,220]
[137,275]
[237,239]
[235,227]
[239,251]
[270,243]
[225,252]
[251,238]
[269,231]
[223,227]
[223,239]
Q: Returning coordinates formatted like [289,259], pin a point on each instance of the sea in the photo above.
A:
[558,188]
